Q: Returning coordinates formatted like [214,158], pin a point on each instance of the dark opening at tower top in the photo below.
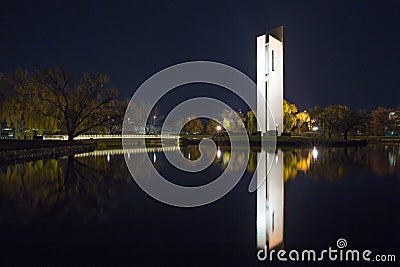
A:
[276,33]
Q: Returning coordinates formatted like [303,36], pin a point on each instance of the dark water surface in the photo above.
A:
[87,209]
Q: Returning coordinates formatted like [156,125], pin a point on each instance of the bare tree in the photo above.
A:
[79,107]
[144,112]
[114,125]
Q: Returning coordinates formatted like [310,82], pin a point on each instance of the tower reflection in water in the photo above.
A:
[270,200]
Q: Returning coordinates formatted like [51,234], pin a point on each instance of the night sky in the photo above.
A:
[336,52]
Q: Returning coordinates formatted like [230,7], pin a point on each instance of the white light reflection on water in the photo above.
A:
[315,153]
[270,202]
[219,153]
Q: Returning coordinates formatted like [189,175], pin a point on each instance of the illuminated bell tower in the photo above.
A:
[270,80]
[270,193]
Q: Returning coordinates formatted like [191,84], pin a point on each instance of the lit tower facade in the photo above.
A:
[270,194]
[270,80]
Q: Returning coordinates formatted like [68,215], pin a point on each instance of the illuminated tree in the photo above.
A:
[327,119]
[22,108]
[211,127]
[251,122]
[303,122]
[289,116]
[194,126]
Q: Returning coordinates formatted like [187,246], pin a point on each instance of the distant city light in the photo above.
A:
[315,128]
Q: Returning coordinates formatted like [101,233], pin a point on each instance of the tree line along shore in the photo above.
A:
[50,100]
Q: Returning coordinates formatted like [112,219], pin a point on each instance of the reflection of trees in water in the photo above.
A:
[336,162]
[191,152]
[333,163]
[223,156]
[79,189]
[252,164]
[330,163]
[294,161]
[139,160]
[236,161]
[386,159]
[85,188]
[26,186]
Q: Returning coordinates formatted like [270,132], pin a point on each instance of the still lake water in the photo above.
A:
[87,209]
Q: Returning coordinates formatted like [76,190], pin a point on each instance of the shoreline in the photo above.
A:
[15,150]
[286,141]
[38,149]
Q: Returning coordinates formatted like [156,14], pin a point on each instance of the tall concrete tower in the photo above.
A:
[270,194]
[270,80]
